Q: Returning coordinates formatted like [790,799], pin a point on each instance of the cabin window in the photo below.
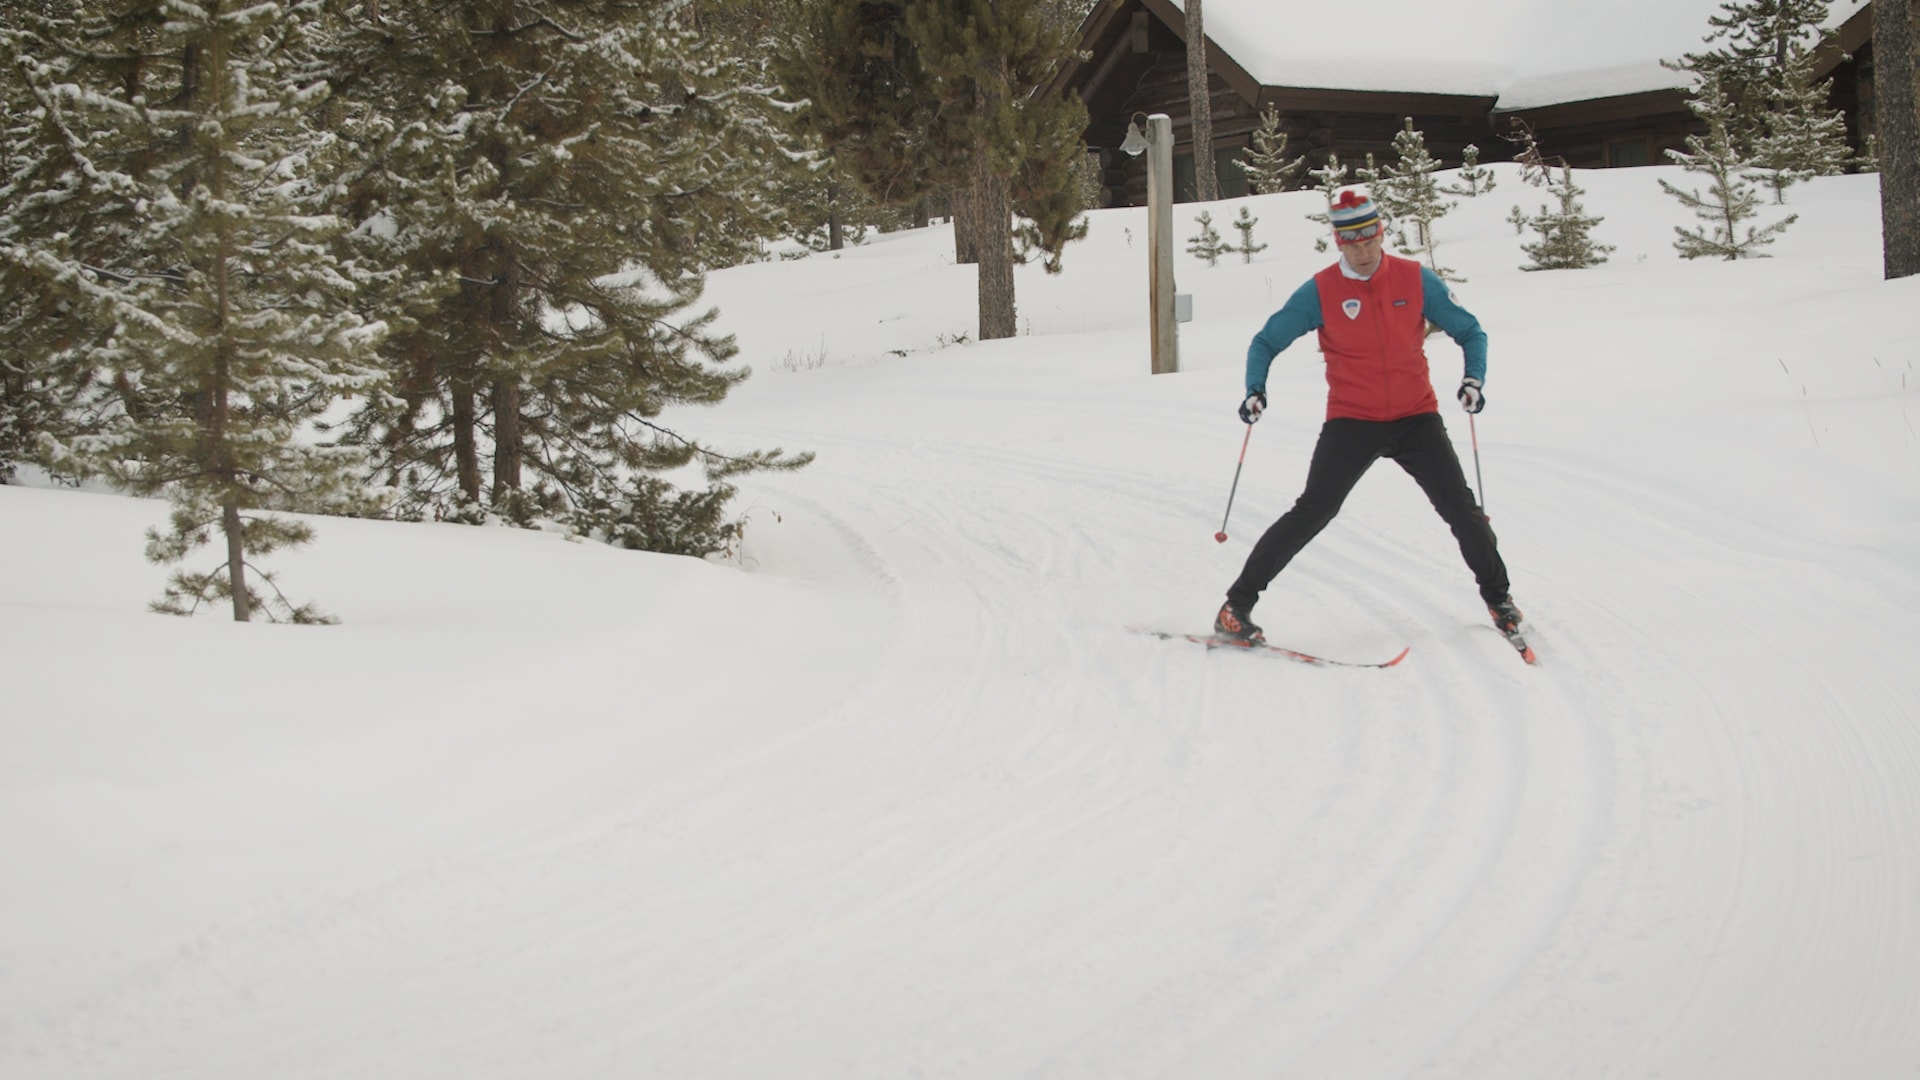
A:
[1627,153]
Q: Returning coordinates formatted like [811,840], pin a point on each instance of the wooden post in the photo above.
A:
[1166,339]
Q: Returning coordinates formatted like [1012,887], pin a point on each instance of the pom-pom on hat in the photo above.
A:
[1354,211]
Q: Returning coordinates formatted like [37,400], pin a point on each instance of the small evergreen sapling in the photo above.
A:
[1332,177]
[1266,165]
[1730,199]
[1802,135]
[1245,223]
[1566,234]
[1408,192]
[1207,243]
[1475,179]
[1380,186]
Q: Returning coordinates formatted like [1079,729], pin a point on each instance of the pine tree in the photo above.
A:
[1055,184]
[1802,135]
[1266,165]
[1245,223]
[1566,234]
[868,98]
[1408,188]
[1380,188]
[1475,179]
[1730,199]
[1206,243]
[918,96]
[824,208]
[556,177]
[986,60]
[1755,41]
[32,400]
[209,290]
[1332,178]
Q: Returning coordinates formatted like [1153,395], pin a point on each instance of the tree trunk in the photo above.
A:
[993,232]
[507,450]
[836,238]
[236,557]
[966,250]
[220,435]
[466,446]
[1200,100]
[1897,113]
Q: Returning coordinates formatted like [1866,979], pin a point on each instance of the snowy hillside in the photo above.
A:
[895,794]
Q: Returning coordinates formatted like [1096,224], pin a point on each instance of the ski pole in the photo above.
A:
[1221,536]
[1477,481]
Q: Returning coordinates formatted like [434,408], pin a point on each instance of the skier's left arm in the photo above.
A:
[1444,311]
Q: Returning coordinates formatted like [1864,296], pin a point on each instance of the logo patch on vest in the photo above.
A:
[1351,307]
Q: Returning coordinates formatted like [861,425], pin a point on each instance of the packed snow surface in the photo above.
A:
[893,792]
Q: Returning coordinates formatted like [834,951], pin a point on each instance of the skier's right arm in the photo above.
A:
[1296,317]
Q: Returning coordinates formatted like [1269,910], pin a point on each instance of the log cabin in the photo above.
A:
[1588,79]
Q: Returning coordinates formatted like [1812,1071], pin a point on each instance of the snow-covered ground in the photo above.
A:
[896,795]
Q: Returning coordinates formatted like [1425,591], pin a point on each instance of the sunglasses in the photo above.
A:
[1355,236]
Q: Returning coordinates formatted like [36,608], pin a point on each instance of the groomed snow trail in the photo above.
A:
[899,796]
[1667,848]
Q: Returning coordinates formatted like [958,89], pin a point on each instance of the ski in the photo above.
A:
[1216,641]
[1519,642]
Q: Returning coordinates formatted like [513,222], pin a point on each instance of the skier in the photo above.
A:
[1371,310]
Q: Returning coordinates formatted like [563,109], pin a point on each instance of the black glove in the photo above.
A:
[1255,404]
[1471,399]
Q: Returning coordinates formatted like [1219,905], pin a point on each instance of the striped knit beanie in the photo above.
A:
[1353,211]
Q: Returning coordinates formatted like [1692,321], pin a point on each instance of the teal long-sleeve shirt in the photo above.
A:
[1301,315]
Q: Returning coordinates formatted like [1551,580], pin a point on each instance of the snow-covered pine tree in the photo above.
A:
[1266,165]
[1566,232]
[824,209]
[1332,178]
[1409,188]
[1245,223]
[1380,187]
[1754,41]
[1729,199]
[1802,135]
[31,397]
[56,381]
[1206,243]
[1474,178]
[215,298]
[569,168]
[868,98]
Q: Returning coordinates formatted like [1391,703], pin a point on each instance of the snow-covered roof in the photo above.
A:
[1525,53]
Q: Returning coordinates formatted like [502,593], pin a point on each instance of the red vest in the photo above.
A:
[1374,334]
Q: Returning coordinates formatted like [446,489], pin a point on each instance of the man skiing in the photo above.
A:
[1371,310]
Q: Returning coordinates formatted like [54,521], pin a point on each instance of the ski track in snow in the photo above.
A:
[1001,837]
[1082,853]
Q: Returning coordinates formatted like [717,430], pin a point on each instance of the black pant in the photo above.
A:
[1346,450]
